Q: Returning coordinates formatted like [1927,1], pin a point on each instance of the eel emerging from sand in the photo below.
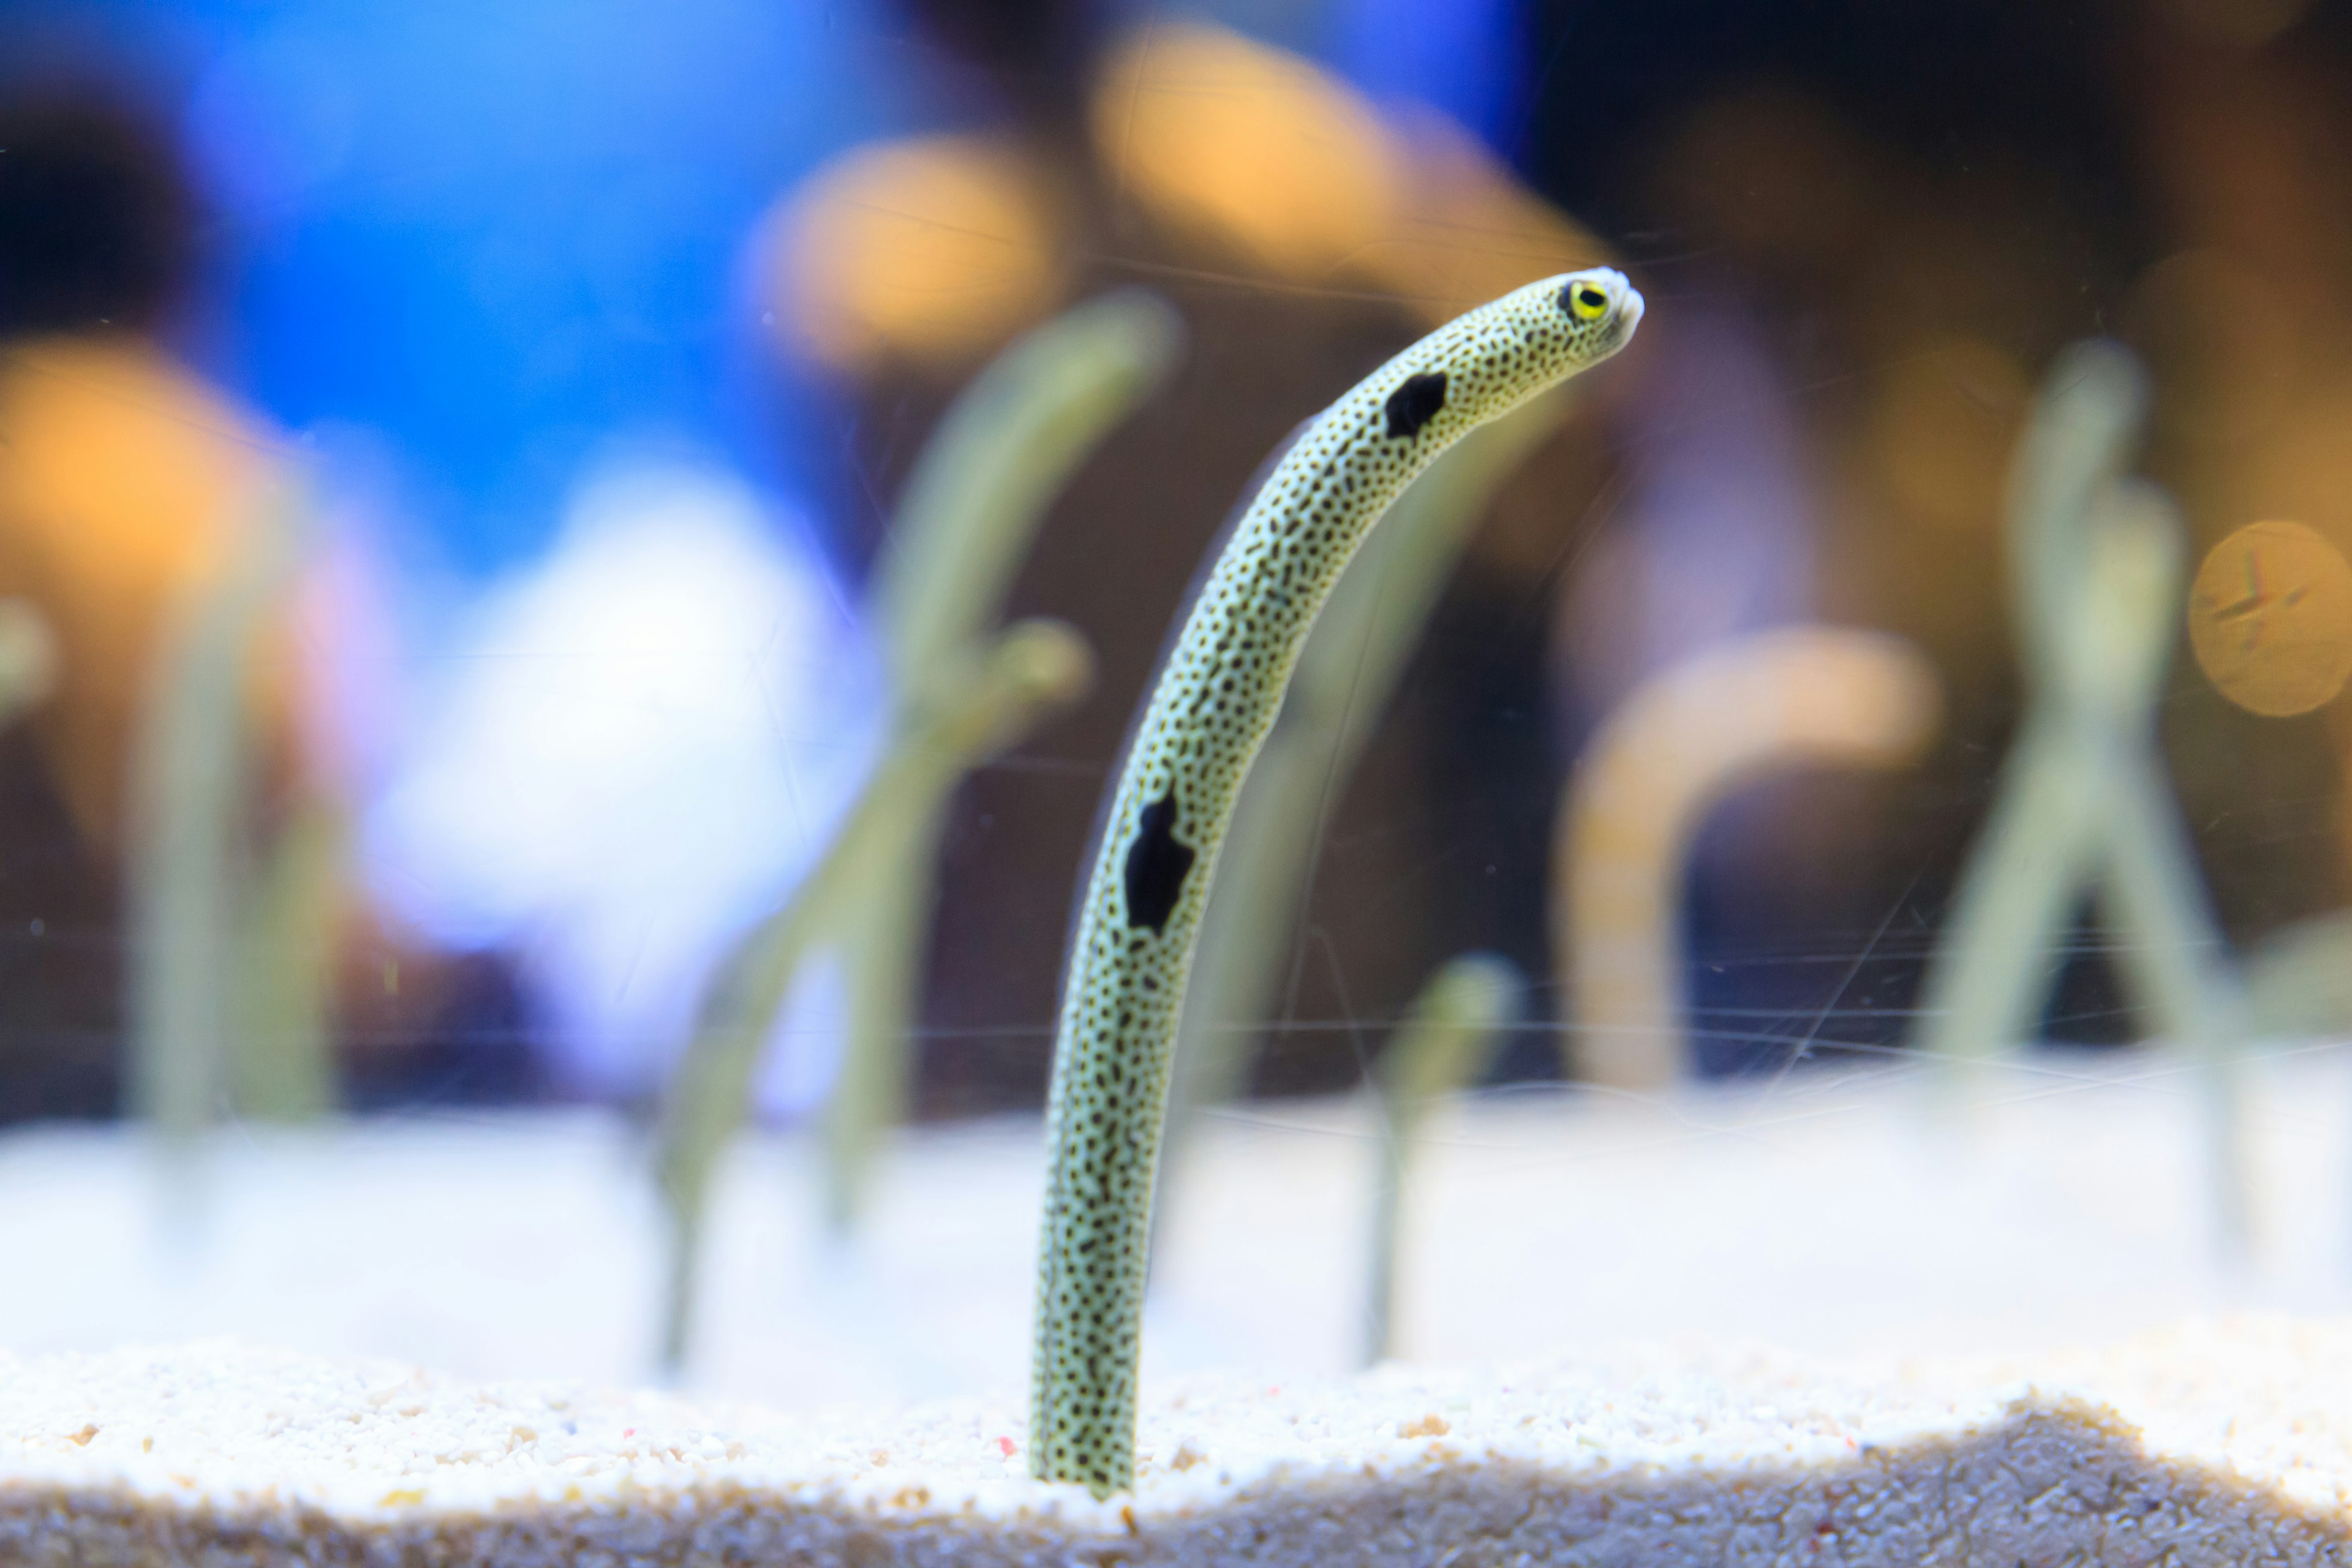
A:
[1216,697]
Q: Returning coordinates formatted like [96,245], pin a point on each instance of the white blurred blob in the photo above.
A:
[638,747]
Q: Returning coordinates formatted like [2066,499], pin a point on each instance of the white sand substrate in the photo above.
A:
[1825,1211]
[2214,1446]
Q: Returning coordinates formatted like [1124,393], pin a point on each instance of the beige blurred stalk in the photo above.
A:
[29,659]
[1035,668]
[2085,806]
[212,946]
[2299,980]
[1797,697]
[281,1056]
[971,508]
[1441,1048]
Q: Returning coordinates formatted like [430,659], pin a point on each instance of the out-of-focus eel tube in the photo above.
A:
[1348,671]
[2299,981]
[2173,953]
[1442,1045]
[1001,455]
[2084,804]
[191,778]
[1035,668]
[281,1063]
[29,659]
[1218,693]
[971,507]
[1800,695]
[1984,990]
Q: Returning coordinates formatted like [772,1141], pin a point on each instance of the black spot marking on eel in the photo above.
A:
[1157,865]
[1414,403]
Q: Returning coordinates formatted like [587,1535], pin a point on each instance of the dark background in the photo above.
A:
[488,242]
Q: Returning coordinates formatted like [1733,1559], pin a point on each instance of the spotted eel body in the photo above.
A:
[1217,695]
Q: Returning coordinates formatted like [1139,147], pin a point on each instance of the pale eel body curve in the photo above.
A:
[1216,697]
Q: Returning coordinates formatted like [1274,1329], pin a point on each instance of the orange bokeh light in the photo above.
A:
[929,251]
[2269,618]
[124,481]
[1248,144]
[1235,144]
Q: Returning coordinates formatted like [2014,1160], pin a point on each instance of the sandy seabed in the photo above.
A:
[1827,1210]
[2212,1448]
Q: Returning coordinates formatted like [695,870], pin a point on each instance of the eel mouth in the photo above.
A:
[1625,317]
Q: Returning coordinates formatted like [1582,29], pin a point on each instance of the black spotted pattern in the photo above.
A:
[1215,700]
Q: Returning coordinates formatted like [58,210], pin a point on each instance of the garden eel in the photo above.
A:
[1443,1044]
[1666,756]
[29,659]
[1216,696]
[1034,668]
[975,500]
[2083,805]
[1006,448]
[197,954]
[1348,670]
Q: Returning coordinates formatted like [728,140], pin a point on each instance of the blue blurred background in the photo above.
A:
[605,333]
[487,247]
[491,248]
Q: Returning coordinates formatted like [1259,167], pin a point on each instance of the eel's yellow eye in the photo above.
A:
[1585,302]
